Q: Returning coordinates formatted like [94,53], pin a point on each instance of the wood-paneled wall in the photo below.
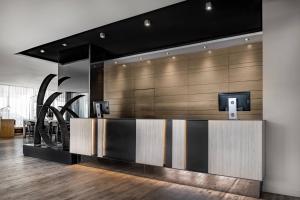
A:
[187,86]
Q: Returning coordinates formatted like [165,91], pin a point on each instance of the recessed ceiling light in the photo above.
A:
[102,35]
[208,6]
[42,51]
[147,23]
[209,51]
[123,65]
[204,47]
[64,44]
[116,62]
[173,57]
[249,46]
[148,61]
[246,39]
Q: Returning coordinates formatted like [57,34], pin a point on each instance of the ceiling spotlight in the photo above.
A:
[123,65]
[208,6]
[246,39]
[204,47]
[102,35]
[42,51]
[64,44]
[147,23]
[173,57]
[116,62]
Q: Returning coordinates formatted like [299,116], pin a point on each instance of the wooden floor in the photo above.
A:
[29,178]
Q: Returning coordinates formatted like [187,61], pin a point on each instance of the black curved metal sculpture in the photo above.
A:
[69,103]
[39,103]
[41,131]
[71,112]
[40,127]
[63,128]
[62,79]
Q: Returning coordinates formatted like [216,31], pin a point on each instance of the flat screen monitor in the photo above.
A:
[242,98]
[100,108]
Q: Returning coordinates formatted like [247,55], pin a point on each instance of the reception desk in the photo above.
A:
[222,147]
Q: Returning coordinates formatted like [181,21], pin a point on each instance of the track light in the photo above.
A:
[102,35]
[147,23]
[208,6]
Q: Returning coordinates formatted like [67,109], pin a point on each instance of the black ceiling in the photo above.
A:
[179,24]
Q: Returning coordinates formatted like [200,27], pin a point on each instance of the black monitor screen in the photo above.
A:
[101,107]
[243,101]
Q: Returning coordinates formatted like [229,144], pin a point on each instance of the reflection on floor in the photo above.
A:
[243,187]
[30,178]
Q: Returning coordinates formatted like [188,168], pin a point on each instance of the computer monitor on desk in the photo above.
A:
[100,108]
[233,102]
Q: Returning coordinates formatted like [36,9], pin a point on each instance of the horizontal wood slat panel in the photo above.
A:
[186,86]
[171,91]
[245,74]
[207,77]
[208,88]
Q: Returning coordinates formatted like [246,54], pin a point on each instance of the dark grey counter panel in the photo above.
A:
[121,139]
[197,146]
[168,147]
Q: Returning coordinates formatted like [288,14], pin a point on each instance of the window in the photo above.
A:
[19,103]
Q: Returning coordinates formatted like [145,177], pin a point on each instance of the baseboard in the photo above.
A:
[50,154]
[281,188]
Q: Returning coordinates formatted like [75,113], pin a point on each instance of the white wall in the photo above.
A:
[281,85]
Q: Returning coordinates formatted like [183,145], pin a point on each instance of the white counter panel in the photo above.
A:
[82,136]
[236,148]
[101,127]
[179,144]
[150,141]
